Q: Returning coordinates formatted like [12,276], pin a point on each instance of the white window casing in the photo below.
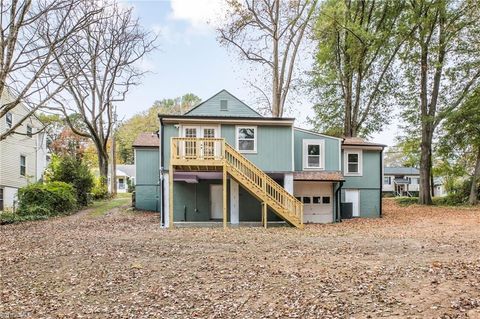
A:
[353,165]
[313,156]
[245,142]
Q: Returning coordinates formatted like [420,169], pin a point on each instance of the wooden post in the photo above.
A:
[264,214]
[224,196]
[170,198]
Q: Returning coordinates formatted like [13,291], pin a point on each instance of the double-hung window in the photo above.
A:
[23,165]
[387,180]
[353,163]
[247,139]
[313,154]
[9,119]
[29,131]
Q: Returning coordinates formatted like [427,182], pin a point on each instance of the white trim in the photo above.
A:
[346,152]
[318,134]
[234,202]
[255,138]
[293,149]
[321,144]
[339,155]
[230,121]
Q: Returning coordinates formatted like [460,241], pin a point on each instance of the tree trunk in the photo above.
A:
[473,199]
[113,173]
[424,196]
[103,166]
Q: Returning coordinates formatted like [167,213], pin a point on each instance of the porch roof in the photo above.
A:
[332,176]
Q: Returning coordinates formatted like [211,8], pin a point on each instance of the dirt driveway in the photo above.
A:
[415,262]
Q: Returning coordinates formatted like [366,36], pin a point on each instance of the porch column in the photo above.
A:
[224,184]
[166,199]
[288,182]
[234,202]
[170,197]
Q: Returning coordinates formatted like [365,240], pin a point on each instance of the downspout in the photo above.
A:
[161,177]
[381,181]
[338,216]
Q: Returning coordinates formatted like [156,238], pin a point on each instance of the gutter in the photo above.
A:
[162,175]
[338,216]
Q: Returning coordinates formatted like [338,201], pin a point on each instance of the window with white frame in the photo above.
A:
[9,119]
[313,154]
[247,139]
[23,165]
[353,163]
[387,180]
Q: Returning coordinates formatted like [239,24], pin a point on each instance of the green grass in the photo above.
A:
[100,208]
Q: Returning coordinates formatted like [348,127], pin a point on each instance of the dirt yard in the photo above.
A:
[413,263]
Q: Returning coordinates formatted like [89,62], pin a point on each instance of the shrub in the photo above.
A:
[10,218]
[73,171]
[130,186]
[48,199]
[100,190]
[406,201]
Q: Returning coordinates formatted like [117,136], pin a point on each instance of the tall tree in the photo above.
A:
[353,77]
[441,66]
[147,121]
[269,33]
[26,72]
[100,65]
[460,140]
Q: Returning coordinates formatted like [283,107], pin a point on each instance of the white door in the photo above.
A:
[216,202]
[353,196]
[206,149]
[317,199]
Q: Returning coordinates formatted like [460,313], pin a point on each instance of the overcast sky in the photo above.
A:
[190,60]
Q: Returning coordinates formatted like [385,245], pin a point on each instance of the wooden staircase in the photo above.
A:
[208,154]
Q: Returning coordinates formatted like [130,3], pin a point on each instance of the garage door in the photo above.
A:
[317,199]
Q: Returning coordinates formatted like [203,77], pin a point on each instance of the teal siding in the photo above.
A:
[369,184]
[274,147]
[169,131]
[371,172]
[332,150]
[147,175]
[191,202]
[211,107]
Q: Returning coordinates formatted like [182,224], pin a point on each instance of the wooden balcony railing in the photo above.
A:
[215,151]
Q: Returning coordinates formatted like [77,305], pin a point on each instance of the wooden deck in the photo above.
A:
[214,154]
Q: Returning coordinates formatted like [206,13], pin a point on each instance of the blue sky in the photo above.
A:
[190,60]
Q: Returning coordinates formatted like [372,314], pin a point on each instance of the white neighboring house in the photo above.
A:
[23,155]
[401,181]
[124,173]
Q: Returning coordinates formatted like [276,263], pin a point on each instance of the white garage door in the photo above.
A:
[317,198]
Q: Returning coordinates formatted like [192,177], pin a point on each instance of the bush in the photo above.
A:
[100,190]
[73,171]
[406,201]
[10,218]
[48,199]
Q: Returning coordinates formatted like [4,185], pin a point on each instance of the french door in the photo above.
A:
[204,148]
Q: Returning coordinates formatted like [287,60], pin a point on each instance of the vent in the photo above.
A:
[223,105]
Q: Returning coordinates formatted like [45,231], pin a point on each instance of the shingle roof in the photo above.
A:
[129,170]
[146,140]
[358,141]
[318,176]
[401,171]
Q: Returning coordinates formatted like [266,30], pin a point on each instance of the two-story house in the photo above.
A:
[223,161]
[23,155]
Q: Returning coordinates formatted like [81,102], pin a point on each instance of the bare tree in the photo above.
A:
[26,57]
[269,33]
[100,65]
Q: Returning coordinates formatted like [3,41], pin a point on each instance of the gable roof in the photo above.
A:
[401,171]
[358,141]
[128,169]
[206,108]
[147,140]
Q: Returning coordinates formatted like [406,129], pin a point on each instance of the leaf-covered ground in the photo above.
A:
[415,262]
